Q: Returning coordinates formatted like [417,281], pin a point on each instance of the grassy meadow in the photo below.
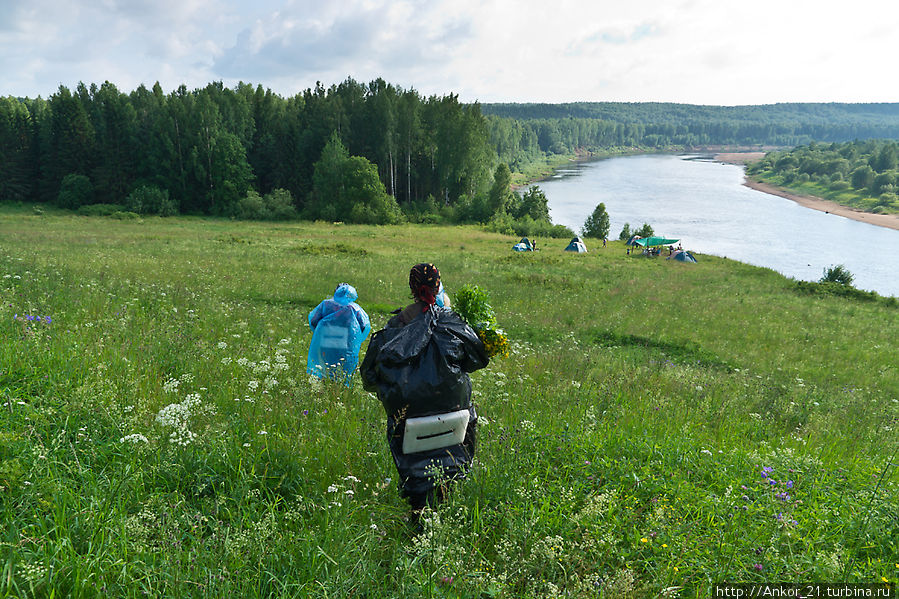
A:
[658,427]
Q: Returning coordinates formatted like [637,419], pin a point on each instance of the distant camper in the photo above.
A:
[339,326]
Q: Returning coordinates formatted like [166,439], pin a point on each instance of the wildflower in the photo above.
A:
[305,412]
[758,567]
[644,540]
[349,492]
[789,484]
[262,433]
[133,438]
[332,489]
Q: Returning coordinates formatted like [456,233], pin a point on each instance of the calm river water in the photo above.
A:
[705,205]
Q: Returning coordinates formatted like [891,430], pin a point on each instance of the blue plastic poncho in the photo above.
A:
[339,326]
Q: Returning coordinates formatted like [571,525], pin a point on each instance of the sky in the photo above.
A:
[715,52]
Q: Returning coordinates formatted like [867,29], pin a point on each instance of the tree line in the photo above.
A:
[358,152]
[662,125]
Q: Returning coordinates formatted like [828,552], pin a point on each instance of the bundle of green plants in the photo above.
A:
[473,304]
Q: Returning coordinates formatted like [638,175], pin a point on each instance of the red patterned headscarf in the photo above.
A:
[424,281]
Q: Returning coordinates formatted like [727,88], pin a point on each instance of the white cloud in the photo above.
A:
[697,51]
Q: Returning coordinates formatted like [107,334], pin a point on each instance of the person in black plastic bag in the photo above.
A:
[418,365]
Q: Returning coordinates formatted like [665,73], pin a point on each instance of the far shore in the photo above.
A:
[890,221]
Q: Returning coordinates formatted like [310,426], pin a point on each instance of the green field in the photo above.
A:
[659,427]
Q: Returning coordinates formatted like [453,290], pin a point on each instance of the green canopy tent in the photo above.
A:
[654,241]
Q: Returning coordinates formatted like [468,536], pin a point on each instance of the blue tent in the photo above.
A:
[576,245]
[683,256]
[523,246]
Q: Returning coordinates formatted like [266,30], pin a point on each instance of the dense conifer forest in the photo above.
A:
[356,152]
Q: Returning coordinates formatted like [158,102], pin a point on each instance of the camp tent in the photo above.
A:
[632,240]
[576,245]
[523,246]
[655,241]
[683,256]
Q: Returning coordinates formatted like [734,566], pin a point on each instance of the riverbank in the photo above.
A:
[890,221]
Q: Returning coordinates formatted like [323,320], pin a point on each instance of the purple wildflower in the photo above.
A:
[789,484]
[758,567]
[305,412]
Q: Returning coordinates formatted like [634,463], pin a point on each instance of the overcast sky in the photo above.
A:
[693,51]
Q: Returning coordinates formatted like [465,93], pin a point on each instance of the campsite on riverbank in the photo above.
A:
[658,425]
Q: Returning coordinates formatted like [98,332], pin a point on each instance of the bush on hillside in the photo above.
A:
[100,209]
[277,205]
[504,224]
[837,274]
[74,192]
[149,199]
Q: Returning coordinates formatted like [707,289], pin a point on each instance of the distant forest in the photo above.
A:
[355,152]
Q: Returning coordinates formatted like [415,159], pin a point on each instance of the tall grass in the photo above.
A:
[659,427]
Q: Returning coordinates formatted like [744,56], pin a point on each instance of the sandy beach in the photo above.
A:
[890,221]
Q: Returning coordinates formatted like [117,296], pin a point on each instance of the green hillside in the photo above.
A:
[658,428]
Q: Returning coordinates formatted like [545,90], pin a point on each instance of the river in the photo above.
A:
[705,204]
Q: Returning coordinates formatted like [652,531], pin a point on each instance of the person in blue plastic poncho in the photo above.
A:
[339,326]
[418,365]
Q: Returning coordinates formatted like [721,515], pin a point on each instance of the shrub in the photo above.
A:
[251,207]
[100,209]
[840,185]
[473,209]
[149,199]
[280,204]
[837,274]
[124,215]
[277,205]
[504,224]
[74,192]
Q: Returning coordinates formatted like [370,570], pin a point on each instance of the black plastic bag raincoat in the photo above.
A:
[421,369]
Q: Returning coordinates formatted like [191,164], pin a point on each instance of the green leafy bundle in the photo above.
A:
[473,304]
